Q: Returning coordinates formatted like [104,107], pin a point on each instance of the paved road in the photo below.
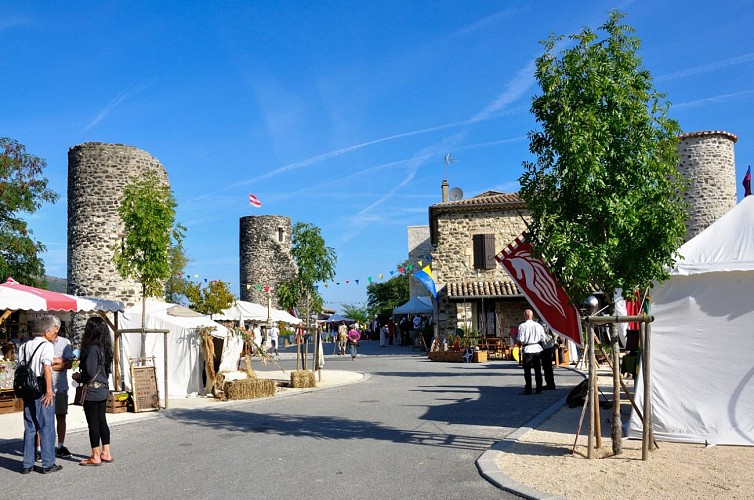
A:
[412,429]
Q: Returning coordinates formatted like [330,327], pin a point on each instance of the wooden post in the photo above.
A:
[165,364]
[116,354]
[617,431]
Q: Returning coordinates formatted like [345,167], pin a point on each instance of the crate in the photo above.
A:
[115,406]
[9,403]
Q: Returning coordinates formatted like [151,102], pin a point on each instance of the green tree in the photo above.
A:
[148,215]
[315,262]
[177,284]
[211,299]
[605,196]
[22,190]
[384,296]
[359,313]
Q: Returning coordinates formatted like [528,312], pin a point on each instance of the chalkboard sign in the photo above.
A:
[146,397]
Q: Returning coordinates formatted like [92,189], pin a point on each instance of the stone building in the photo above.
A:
[473,290]
[419,253]
[707,159]
[265,257]
[98,174]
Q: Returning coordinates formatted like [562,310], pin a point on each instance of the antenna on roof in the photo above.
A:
[449,160]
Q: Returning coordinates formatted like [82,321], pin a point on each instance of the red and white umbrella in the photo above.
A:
[15,296]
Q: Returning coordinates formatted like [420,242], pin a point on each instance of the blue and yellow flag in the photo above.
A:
[426,279]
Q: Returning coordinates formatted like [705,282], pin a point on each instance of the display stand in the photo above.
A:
[145,395]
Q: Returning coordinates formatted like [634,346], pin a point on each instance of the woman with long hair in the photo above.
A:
[95,363]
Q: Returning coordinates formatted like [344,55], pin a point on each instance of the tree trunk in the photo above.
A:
[617,429]
[143,350]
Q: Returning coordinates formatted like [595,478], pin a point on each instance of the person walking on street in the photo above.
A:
[61,363]
[96,360]
[274,334]
[39,413]
[353,338]
[342,338]
[530,334]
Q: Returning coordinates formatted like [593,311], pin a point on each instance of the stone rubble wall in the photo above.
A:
[98,174]
[264,259]
[707,160]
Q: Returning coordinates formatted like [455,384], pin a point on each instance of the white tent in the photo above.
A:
[702,343]
[185,360]
[415,305]
[249,311]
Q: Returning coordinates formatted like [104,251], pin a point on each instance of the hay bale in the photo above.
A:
[248,388]
[301,379]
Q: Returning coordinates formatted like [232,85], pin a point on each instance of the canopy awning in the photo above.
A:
[17,297]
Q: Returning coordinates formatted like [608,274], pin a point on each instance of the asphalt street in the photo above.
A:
[412,429]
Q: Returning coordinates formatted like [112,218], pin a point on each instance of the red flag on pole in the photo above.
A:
[544,294]
[254,201]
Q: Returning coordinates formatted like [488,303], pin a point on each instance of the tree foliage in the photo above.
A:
[604,194]
[23,189]
[315,262]
[148,215]
[358,313]
[384,296]
[177,284]
[211,299]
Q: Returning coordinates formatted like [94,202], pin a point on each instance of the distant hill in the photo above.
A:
[56,284]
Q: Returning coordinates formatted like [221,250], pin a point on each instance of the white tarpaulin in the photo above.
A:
[185,360]
[249,311]
[415,305]
[702,343]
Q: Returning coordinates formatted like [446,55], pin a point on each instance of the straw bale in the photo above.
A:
[248,388]
[301,379]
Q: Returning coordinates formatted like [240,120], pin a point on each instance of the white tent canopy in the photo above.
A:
[415,305]
[185,360]
[249,311]
[702,343]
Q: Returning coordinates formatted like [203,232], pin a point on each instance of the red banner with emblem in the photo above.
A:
[544,294]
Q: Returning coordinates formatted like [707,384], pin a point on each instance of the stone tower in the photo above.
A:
[707,160]
[264,256]
[97,176]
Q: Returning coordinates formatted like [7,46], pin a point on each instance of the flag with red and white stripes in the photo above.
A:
[254,201]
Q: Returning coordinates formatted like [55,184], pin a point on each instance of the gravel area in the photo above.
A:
[542,460]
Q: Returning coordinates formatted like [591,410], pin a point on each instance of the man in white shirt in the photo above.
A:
[530,334]
[39,414]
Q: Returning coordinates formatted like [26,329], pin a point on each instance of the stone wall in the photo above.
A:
[707,160]
[419,247]
[97,176]
[453,258]
[264,256]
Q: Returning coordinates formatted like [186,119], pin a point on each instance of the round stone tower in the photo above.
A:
[707,160]
[265,256]
[97,176]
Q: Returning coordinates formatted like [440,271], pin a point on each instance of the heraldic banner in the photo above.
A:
[545,295]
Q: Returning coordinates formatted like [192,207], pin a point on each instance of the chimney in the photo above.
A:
[444,188]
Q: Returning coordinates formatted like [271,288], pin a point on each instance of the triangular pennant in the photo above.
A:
[357,281]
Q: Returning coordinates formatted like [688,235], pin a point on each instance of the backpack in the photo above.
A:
[26,385]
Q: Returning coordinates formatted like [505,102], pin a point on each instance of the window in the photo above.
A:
[280,234]
[484,251]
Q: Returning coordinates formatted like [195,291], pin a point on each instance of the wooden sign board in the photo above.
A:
[146,397]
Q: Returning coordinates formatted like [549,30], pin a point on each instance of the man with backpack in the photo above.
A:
[39,402]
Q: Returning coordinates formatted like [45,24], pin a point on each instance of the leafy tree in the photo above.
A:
[605,196]
[177,285]
[211,299]
[22,190]
[360,314]
[148,214]
[384,296]
[315,262]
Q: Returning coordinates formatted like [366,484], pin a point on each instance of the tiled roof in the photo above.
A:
[482,200]
[478,289]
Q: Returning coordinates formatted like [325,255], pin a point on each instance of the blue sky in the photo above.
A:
[332,113]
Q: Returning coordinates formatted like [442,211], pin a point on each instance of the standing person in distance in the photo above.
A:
[548,344]
[39,414]
[274,334]
[96,360]
[353,338]
[530,334]
[61,363]
[342,338]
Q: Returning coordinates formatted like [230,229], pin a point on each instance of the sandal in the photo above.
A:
[89,461]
